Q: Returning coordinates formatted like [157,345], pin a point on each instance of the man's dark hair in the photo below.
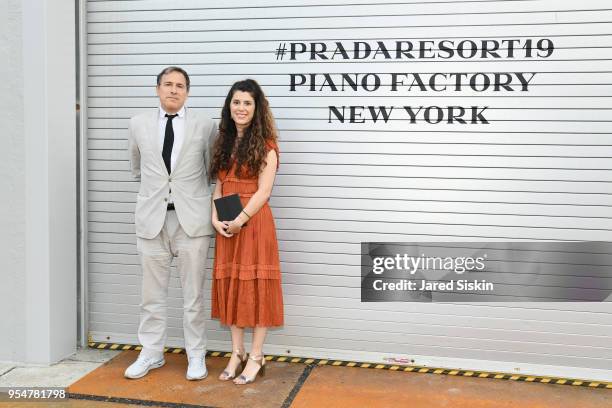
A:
[168,70]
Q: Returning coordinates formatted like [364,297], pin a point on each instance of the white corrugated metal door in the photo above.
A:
[540,169]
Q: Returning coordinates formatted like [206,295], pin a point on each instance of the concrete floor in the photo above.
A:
[61,374]
[291,385]
[168,384]
[357,387]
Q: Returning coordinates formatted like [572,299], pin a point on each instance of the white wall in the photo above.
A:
[39,168]
[12,177]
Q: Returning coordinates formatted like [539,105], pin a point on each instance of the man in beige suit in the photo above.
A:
[170,150]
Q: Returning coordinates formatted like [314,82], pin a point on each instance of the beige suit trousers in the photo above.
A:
[156,255]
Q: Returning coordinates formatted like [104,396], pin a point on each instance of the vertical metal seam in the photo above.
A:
[82,233]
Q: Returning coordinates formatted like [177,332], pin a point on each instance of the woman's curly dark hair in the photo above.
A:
[251,152]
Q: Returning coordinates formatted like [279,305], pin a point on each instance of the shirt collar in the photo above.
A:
[162,112]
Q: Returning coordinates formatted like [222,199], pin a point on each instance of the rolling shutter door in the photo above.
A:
[540,170]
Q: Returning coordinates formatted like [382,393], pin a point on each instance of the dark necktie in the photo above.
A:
[168,142]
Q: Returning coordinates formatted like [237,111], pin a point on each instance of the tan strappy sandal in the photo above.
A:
[226,375]
[261,362]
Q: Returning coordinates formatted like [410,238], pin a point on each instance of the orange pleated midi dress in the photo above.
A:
[246,287]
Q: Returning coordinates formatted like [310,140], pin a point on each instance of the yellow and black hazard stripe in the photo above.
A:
[392,367]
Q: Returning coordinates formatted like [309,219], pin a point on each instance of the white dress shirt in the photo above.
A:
[178,125]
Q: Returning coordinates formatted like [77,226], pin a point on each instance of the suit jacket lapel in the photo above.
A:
[153,130]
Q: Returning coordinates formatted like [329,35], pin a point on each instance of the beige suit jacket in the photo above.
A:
[189,181]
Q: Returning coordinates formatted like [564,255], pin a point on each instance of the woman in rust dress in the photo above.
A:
[246,289]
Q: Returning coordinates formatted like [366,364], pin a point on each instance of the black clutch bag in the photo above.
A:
[228,207]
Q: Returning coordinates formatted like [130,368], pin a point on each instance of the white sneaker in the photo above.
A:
[142,365]
[197,368]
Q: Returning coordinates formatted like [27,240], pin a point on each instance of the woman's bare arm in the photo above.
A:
[261,196]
